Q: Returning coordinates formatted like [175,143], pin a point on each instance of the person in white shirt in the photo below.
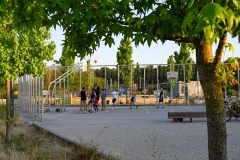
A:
[114,97]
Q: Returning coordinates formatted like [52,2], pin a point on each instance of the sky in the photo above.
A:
[155,54]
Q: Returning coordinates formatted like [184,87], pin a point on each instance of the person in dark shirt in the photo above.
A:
[83,99]
[96,99]
[161,98]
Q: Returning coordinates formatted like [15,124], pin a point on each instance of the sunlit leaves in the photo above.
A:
[209,17]
[236,3]
[85,23]
[230,47]
[225,72]
[24,52]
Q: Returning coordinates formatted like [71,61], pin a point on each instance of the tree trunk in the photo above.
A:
[216,125]
[8,110]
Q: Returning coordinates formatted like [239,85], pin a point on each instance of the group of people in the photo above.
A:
[88,102]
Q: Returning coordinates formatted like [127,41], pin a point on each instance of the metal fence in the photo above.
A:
[30,95]
[146,79]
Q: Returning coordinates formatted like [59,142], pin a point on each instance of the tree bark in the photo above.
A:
[8,110]
[216,125]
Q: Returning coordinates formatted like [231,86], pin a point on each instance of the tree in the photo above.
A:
[22,52]
[67,62]
[183,57]
[200,22]
[48,78]
[124,59]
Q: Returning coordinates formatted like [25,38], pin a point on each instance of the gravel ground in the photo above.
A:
[142,134]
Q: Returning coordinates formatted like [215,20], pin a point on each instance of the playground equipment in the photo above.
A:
[61,101]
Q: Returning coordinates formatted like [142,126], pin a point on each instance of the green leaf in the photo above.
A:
[230,18]
[101,13]
[188,21]
[211,14]
[230,47]
[138,24]
[236,3]
[138,38]
[149,38]
[190,4]
[128,31]
[84,28]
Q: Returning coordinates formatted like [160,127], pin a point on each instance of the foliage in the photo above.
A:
[225,72]
[124,59]
[100,82]
[68,63]
[87,78]
[48,78]
[200,22]
[183,57]
[231,92]
[24,52]
[171,68]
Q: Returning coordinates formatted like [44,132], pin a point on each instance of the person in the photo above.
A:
[83,99]
[133,99]
[103,97]
[96,99]
[114,97]
[160,98]
[91,101]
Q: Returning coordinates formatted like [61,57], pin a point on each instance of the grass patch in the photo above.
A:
[28,142]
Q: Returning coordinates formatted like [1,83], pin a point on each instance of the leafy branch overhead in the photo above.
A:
[87,23]
[200,22]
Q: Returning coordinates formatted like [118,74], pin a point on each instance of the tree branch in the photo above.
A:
[220,49]
[178,39]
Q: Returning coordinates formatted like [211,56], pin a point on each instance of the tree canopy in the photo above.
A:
[143,21]
[200,22]
[24,51]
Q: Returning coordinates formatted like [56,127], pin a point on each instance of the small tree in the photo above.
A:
[87,77]
[183,57]
[124,59]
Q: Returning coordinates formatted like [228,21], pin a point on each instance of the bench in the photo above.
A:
[178,116]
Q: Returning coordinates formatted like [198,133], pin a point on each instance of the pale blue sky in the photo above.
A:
[156,54]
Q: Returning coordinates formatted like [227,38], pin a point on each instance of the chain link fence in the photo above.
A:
[145,79]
